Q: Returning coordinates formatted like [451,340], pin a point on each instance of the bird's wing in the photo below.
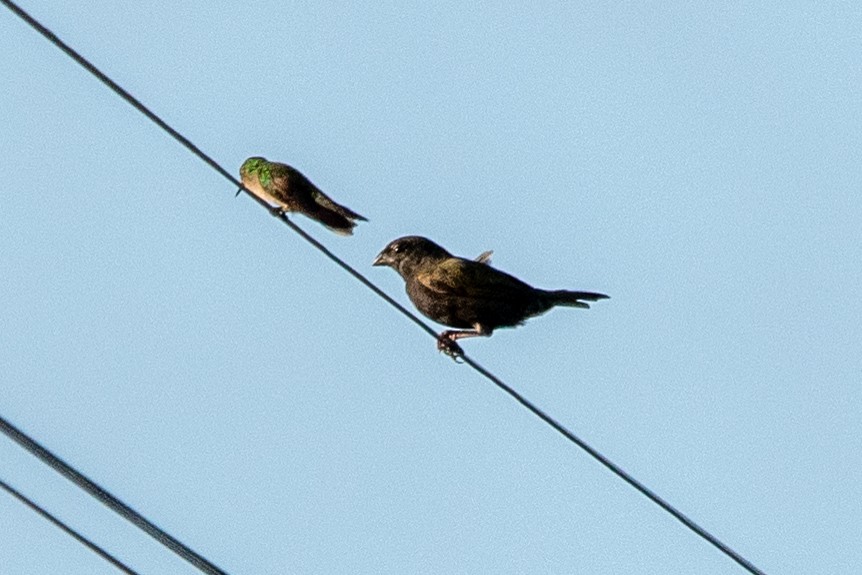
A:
[324,200]
[305,191]
[457,276]
[485,257]
[295,189]
[280,175]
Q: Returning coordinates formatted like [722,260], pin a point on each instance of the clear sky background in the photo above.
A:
[699,163]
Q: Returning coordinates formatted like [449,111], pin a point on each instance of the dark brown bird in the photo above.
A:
[469,294]
[290,191]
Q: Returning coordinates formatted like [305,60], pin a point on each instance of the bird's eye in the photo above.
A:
[396,248]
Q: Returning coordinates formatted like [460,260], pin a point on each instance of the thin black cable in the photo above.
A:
[617,470]
[69,531]
[107,499]
[410,315]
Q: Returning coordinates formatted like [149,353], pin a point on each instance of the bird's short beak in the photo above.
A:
[381,260]
[238,192]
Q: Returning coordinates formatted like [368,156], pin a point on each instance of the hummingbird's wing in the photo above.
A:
[310,201]
[306,192]
[280,185]
[327,203]
[297,194]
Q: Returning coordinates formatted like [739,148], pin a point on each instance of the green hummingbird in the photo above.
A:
[290,191]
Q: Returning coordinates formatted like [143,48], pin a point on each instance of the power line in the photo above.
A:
[107,498]
[622,474]
[617,470]
[69,531]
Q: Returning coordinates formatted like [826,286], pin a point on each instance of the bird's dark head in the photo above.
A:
[405,254]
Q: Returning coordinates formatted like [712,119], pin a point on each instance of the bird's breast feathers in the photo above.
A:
[254,185]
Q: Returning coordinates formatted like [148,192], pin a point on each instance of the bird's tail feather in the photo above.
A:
[334,221]
[345,212]
[573,298]
[348,213]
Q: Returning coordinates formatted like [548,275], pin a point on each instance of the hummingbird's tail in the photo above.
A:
[335,221]
[348,213]
[334,216]
[573,298]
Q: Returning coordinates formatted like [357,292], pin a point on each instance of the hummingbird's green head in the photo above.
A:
[252,167]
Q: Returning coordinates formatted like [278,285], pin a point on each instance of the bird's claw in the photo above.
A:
[447,345]
[277,211]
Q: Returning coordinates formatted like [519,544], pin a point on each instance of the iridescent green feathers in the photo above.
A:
[256,167]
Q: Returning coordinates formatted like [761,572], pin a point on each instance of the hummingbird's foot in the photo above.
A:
[446,344]
[277,211]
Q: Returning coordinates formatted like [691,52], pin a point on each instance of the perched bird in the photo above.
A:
[465,294]
[290,191]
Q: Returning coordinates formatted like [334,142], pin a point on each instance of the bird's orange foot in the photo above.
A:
[447,345]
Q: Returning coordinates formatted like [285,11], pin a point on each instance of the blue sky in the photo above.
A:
[698,163]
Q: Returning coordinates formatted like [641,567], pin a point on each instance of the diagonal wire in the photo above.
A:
[69,531]
[617,470]
[107,499]
[621,473]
